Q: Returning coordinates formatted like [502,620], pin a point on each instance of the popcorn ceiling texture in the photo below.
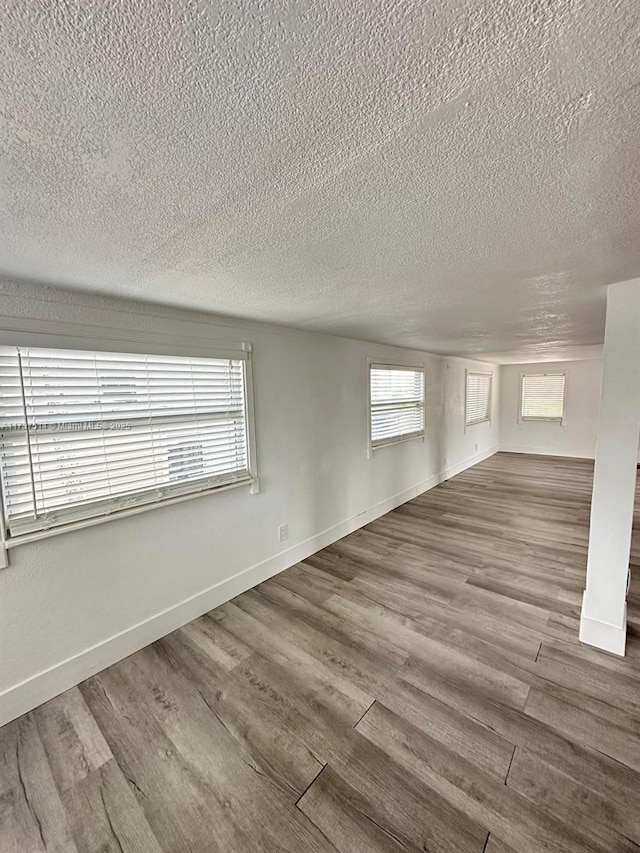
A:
[461,177]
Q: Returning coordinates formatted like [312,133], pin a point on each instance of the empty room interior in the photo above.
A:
[319,426]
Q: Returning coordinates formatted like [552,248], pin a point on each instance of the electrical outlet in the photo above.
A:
[283,532]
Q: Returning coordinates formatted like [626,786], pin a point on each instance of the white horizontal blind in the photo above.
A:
[478,398]
[396,403]
[542,397]
[89,433]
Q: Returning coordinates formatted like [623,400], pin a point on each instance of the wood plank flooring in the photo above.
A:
[417,686]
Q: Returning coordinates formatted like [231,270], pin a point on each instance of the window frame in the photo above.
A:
[468,373]
[531,420]
[70,336]
[372,364]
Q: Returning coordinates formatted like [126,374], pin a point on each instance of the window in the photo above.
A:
[85,434]
[396,398]
[477,398]
[542,397]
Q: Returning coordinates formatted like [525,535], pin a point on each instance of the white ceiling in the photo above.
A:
[462,177]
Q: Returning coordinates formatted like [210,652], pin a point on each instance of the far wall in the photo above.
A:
[576,436]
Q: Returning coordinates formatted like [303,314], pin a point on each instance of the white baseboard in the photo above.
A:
[603,635]
[468,463]
[28,694]
[540,451]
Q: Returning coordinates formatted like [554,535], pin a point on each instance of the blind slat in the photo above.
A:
[84,434]
[542,397]
[396,403]
[478,398]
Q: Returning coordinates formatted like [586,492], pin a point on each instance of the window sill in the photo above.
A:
[392,441]
[557,421]
[477,423]
[25,538]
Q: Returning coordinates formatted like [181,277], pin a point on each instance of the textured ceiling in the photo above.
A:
[462,177]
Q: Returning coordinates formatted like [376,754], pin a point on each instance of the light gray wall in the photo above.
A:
[76,602]
[576,436]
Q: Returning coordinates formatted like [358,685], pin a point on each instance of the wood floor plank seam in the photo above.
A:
[506,776]
[549,803]
[355,725]
[315,779]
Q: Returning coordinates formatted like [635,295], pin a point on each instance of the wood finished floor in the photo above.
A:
[418,686]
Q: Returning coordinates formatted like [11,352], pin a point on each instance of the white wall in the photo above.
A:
[74,603]
[603,620]
[577,434]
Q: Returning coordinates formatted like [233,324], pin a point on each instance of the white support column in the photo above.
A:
[604,610]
